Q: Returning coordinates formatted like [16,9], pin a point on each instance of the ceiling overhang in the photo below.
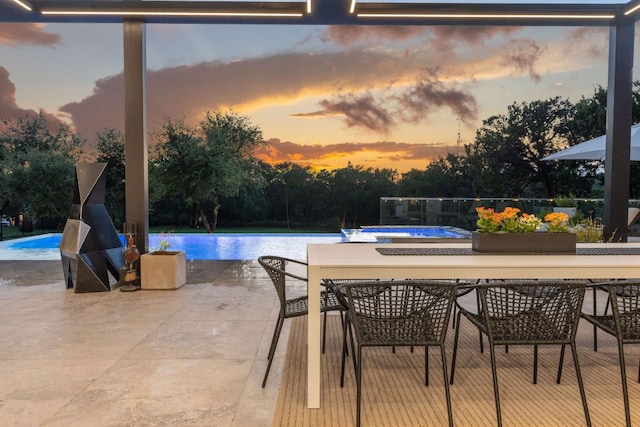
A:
[323,12]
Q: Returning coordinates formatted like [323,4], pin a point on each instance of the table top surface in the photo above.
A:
[355,259]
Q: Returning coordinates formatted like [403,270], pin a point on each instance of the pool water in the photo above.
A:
[390,233]
[219,246]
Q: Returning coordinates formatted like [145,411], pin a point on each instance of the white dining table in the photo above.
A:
[364,261]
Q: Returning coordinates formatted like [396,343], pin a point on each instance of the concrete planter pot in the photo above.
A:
[163,270]
[524,243]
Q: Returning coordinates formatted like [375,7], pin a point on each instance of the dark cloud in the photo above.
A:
[318,156]
[590,41]
[360,111]
[522,55]
[347,35]
[103,109]
[442,38]
[188,91]
[26,33]
[10,111]
[429,94]
[412,105]
[446,37]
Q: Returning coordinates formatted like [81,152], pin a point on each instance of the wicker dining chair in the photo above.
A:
[623,323]
[292,307]
[399,313]
[347,331]
[534,313]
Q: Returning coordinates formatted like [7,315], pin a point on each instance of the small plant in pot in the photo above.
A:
[566,201]
[163,244]
[163,269]
[566,204]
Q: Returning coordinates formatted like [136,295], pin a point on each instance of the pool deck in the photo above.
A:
[190,357]
[116,358]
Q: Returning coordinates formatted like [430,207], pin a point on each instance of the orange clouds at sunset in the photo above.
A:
[378,96]
[375,155]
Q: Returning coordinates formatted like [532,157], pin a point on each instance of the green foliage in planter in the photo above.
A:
[589,230]
[566,201]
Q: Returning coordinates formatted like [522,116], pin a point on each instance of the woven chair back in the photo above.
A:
[532,312]
[626,310]
[397,313]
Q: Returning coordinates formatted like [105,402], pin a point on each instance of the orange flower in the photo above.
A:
[557,222]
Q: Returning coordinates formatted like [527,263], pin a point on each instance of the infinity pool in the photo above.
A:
[402,234]
[219,246]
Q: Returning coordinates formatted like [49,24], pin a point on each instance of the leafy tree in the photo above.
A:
[356,192]
[444,177]
[295,184]
[37,194]
[590,121]
[323,212]
[229,141]
[505,158]
[250,205]
[177,168]
[206,164]
[589,118]
[110,150]
[37,162]
[29,133]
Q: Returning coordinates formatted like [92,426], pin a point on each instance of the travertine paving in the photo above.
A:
[190,357]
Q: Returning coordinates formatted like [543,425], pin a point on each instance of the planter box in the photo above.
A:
[539,242]
[163,270]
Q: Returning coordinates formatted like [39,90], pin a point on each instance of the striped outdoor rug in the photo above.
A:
[394,394]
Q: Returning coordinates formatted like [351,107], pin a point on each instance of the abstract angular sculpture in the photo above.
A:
[90,247]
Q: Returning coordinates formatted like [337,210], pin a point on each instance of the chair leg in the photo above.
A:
[455,311]
[346,329]
[344,350]
[455,348]
[426,365]
[625,389]
[595,328]
[496,394]
[324,331]
[447,392]
[272,349]
[342,317]
[559,377]
[535,364]
[358,386]
[479,331]
[583,396]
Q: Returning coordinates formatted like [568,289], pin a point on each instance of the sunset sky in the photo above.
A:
[376,96]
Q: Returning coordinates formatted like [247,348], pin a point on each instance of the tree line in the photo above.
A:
[206,175]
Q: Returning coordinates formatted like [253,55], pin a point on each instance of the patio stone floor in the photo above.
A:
[190,357]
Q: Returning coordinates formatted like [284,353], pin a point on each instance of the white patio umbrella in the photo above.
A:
[594,149]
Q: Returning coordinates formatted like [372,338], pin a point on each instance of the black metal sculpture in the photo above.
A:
[90,247]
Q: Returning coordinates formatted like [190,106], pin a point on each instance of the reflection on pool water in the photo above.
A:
[402,234]
[219,246]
